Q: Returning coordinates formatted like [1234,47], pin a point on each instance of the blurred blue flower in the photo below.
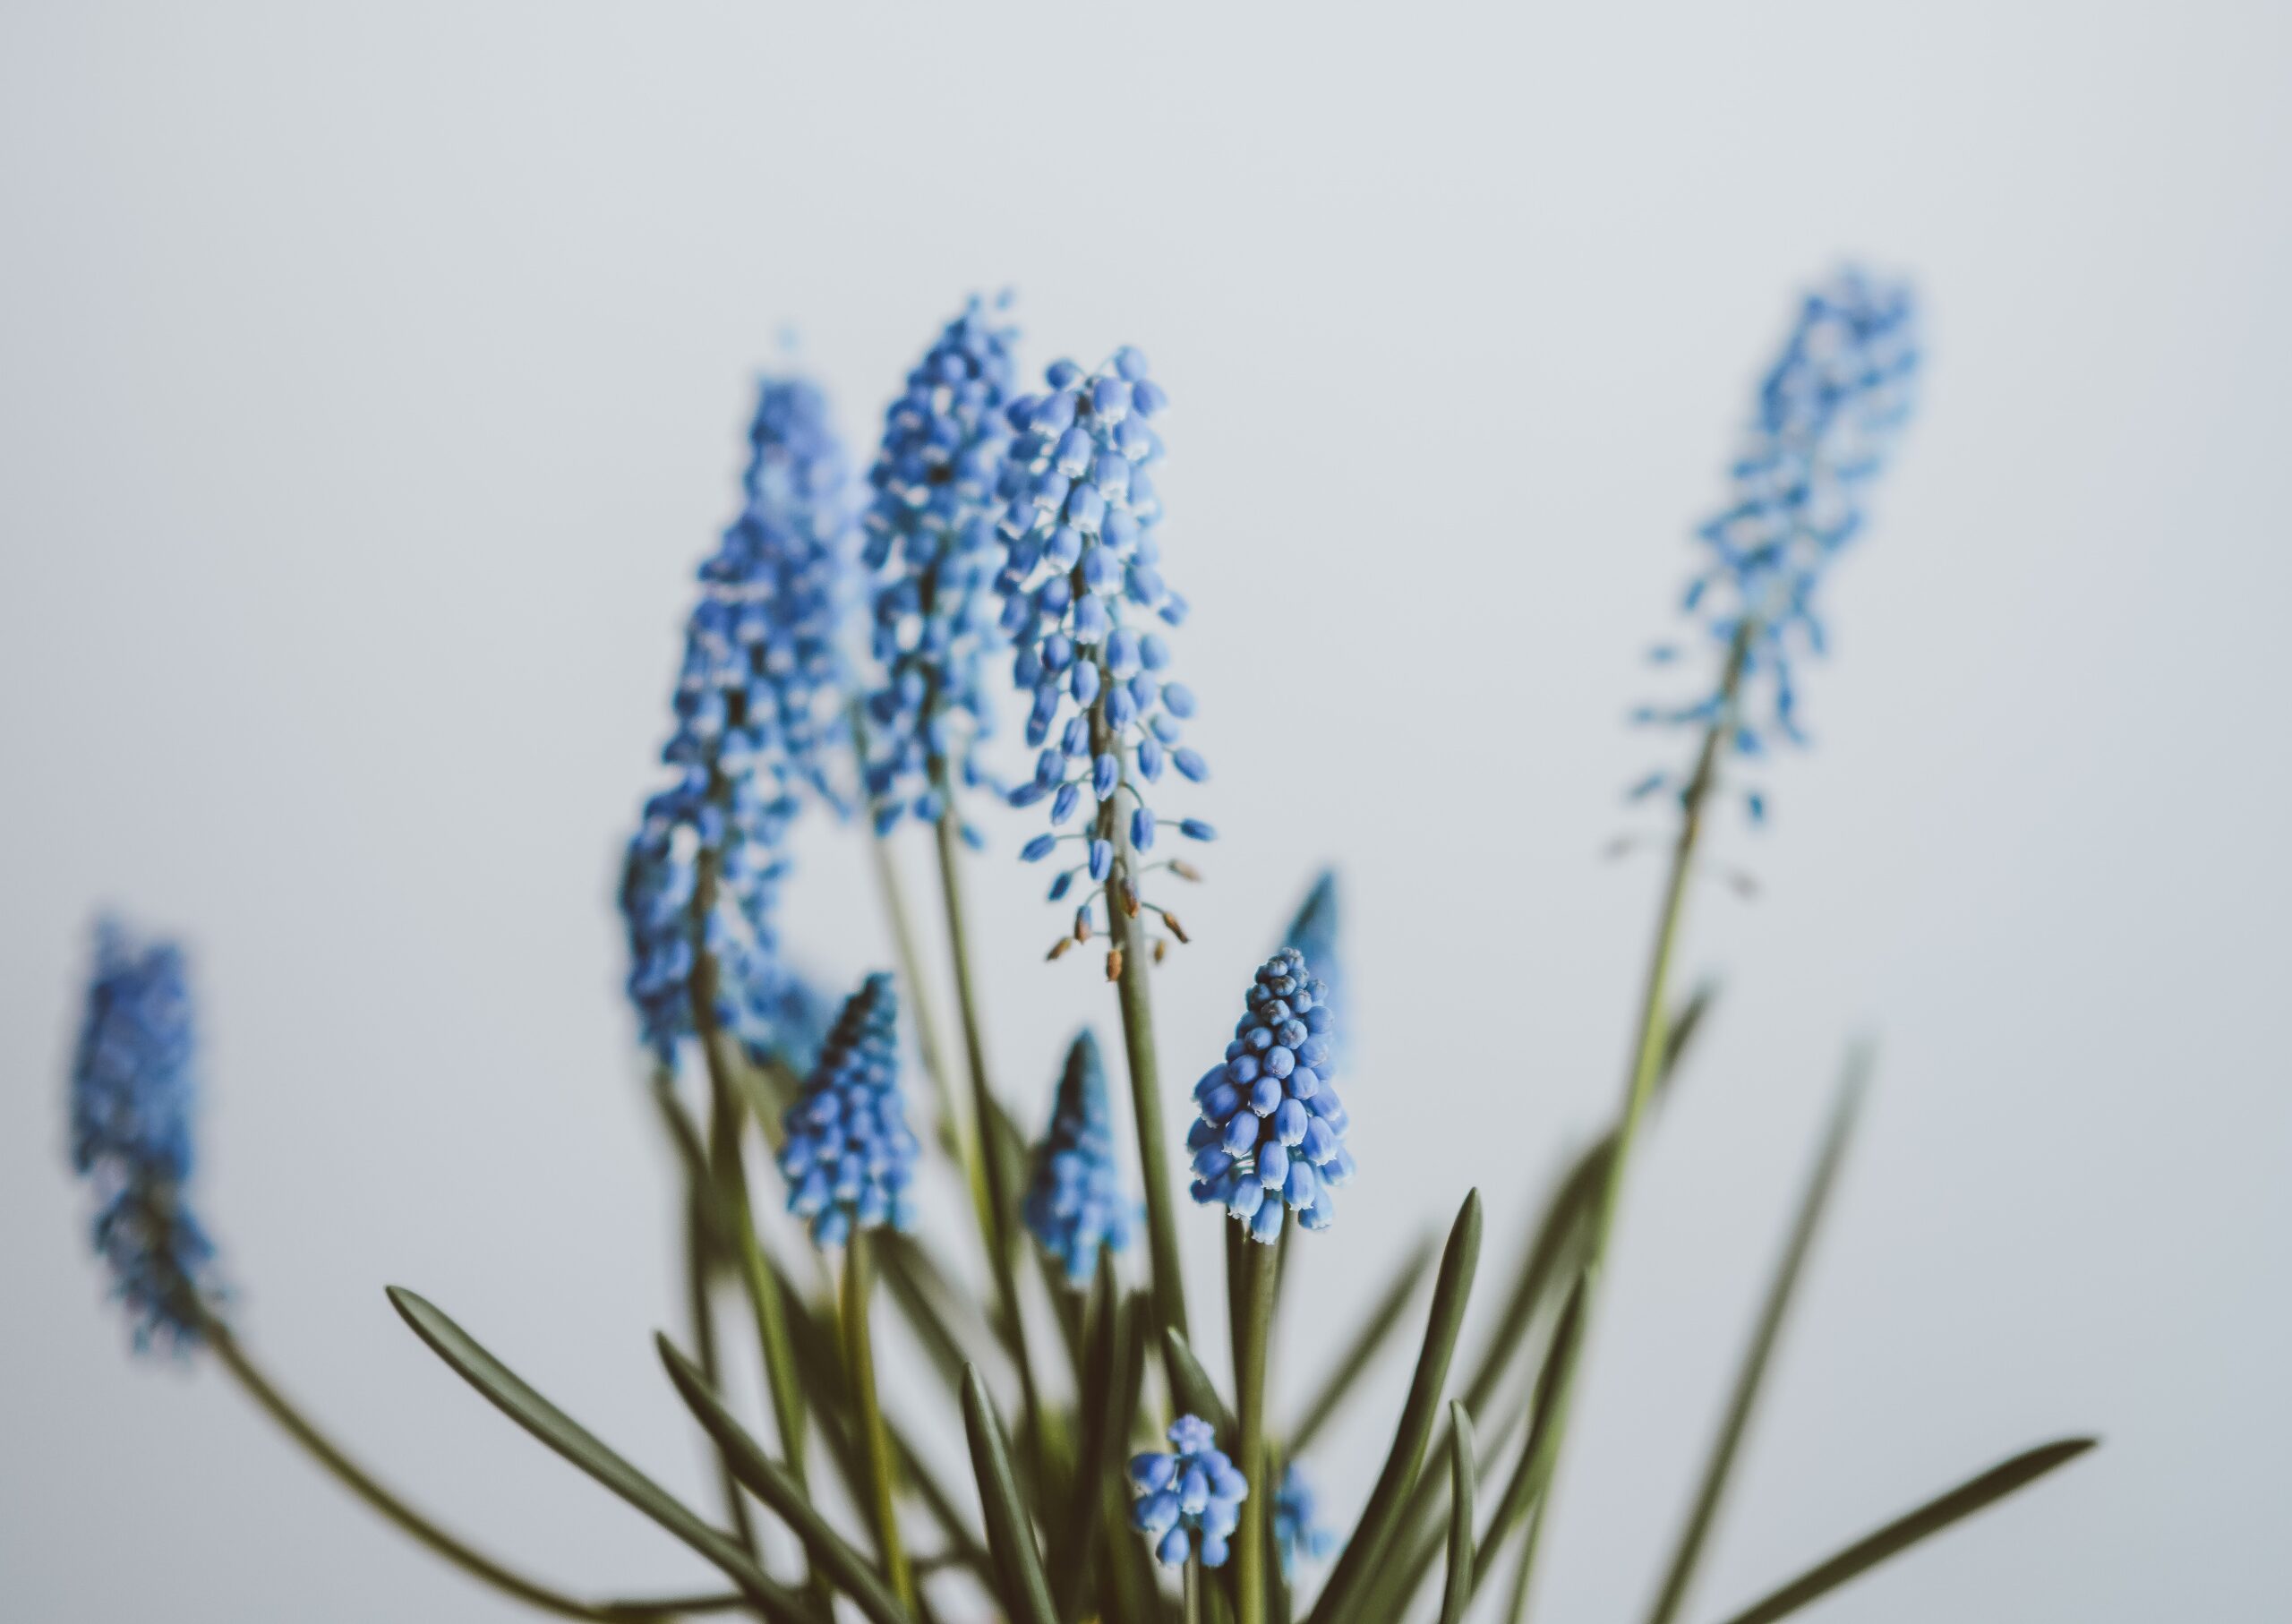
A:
[1270,1135]
[134,1089]
[1313,932]
[1297,1529]
[1192,1492]
[849,1155]
[1828,414]
[1082,593]
[758,711]
[1075,1204]
[930,530]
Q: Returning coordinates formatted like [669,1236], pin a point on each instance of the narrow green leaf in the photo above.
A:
[1687,1020]
[1906,1531]
[1128,1592]
[1102,1421]
[1009,1535]
[1190,1389]
[1367,1343]
[771,1483]
[1749,1379]
[1387,1501]
[560,1433]
[1463,1484]
[1555,1382]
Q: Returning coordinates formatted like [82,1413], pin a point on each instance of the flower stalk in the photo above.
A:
[859,1371]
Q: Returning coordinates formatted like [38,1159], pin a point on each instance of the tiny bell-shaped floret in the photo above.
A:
[1269,1138]
[849,1155]
[1192,1495]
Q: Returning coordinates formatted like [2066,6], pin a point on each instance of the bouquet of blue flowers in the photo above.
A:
[1003,532]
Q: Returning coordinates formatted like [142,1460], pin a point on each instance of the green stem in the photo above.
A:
[701,1241]
[1650,1044]
[860,1368]
[958,1138]
[1193,1590]
[323,1449]
[1002,1197]
[1253,1328]
[1133,949]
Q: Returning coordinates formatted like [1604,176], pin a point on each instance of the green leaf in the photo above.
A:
[1906,1531]
[1368,1341]
[1753,1371]
[1554,1384]
[1105,1421]
[1463,1482]
[560,1433]
[1009,1535]
[1190,1389]
[1387,1501]
[772,1484]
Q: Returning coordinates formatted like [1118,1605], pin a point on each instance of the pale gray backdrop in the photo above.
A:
[373,378]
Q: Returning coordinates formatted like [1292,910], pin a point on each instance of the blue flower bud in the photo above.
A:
[1036,849]
[848,1126]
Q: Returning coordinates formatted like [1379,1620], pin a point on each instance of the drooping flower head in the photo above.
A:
[849,1155]
[1828,414]
[1192,1492]
[930,529]
[756,711]
[1083,600]
[1075,1204]
[134,1091]
[1313,932]
[1272,1132]
[1297,1531]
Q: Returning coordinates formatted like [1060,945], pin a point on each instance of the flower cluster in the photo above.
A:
[849,1155]
[1828,414]
[1272,1131]
[1296,1532]
[756,713]
[1192,1492]
[1075,1204]
[931,525]
[134,1087]
[1080,526]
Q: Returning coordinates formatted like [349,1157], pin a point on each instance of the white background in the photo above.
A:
[371,380]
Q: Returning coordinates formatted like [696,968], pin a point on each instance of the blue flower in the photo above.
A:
[1295,1531]
[1075,1204]
[1084,595]
[758,713]
[134,1088]
[849,1155]
[1828,414]
[1313,932]
[1193,1491]
[1272,1132]
[931,527]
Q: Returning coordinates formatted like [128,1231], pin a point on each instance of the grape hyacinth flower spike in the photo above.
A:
[134,1089]
[1297,1529]
[1083,597]
[1270,1135]
[1192,1493]
[849,1155]
[1075,1204]
[930,529]
[757,707]
[1828,414]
